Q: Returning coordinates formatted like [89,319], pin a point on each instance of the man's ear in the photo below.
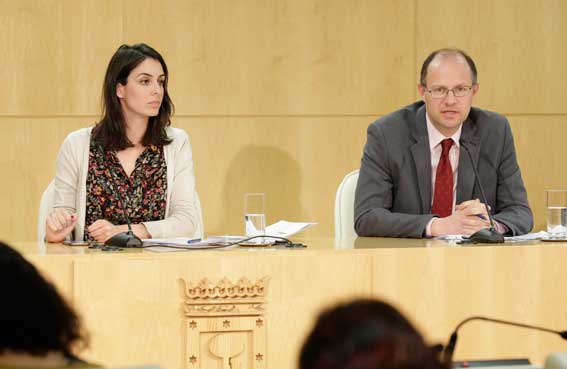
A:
[421,91]
[475,88]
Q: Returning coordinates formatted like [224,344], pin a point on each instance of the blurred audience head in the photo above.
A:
[34,318]
[366,334]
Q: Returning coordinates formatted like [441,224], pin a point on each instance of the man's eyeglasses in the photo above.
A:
[442,92]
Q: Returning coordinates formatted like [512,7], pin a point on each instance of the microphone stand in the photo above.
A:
[486,235]
[450,348]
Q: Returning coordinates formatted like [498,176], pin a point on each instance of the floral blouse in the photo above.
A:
[143,193]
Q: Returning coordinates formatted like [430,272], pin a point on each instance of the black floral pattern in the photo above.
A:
[143,193]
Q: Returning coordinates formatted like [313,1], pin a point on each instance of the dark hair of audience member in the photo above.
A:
[366,334]
[34,318]
[111,130]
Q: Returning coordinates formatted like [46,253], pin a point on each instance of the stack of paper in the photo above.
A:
[286,229]
[279,229]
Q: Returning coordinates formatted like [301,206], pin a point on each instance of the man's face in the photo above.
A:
[448,72]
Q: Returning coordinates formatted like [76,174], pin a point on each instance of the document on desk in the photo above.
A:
[451,237]
[525,237]
[286,229]
[185,244]
[279,229]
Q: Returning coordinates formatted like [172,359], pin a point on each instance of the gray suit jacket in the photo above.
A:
[393,194]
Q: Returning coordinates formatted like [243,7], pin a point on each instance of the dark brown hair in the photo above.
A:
[366,334]
[444,52]
[110,132]
[35,319]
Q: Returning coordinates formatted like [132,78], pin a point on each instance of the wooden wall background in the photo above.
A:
[276,95]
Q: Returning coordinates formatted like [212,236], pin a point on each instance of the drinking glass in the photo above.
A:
[254,216]
[557,213]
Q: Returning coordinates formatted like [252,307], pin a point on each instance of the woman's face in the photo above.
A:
[142,94]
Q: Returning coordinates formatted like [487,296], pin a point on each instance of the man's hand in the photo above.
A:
[468,217]
[476,207]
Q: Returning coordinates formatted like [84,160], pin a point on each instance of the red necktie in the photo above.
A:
[443,196]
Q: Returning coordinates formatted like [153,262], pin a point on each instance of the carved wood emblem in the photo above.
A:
[225,326]
[225,298]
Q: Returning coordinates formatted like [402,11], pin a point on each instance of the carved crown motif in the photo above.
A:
[224,289]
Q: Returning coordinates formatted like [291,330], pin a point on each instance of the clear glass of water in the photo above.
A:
[254,216]
[557,213]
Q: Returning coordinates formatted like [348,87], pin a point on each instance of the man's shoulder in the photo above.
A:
[487,118]
[400,118]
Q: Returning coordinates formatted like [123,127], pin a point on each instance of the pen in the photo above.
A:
[481,216]
[194,240]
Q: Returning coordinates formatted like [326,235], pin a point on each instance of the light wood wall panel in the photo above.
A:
[300,57]
[28,148]
[288,158]
[518,47]
[297,161]
[276,96]
[541,149]
[54,55]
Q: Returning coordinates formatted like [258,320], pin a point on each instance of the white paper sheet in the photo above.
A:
[286,229]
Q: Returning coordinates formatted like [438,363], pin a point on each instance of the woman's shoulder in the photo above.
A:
[76,142]
[82,135]
[176,134]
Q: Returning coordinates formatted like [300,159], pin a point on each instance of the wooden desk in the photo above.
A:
[133,303]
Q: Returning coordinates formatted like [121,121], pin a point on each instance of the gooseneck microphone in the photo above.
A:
[486,235]
[122,239]
[450,348]
[125,239]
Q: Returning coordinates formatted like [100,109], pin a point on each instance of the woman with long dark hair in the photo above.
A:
[39,329]
[131,165]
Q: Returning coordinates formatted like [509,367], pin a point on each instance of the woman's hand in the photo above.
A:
[59,224]
[102,230]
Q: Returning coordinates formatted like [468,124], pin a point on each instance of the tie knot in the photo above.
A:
[446,145]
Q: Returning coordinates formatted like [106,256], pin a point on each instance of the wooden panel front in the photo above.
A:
[141,302]
[134,308]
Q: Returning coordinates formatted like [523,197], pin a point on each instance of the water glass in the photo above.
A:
[557,213]
[254,216]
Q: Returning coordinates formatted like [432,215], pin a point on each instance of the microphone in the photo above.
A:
[125,239]
[450,348]
[486,235]
[122,239]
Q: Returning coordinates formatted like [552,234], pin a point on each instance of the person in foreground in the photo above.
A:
[366,334]
[39,329]
[416,177]
[131,165]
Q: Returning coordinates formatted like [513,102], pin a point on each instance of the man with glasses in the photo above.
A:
[416,177]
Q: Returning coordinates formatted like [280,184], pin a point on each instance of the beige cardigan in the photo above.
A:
[182,213]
